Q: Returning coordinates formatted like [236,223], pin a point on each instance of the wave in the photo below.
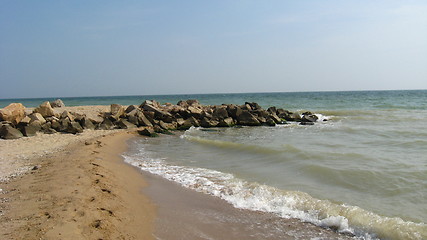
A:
[287,204]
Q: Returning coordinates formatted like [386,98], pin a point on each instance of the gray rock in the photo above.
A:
[208,123]
[130,108]
[247,119]
[234,111]
[32,129]
[8,132]
[143,119]
[107,124]
[74,128]
[220,113]
[309,117]
[168,126]
[147,132]
[58,103]
[87,124]
[227,122]
[123,124]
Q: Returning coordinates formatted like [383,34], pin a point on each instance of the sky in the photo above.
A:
[106,48]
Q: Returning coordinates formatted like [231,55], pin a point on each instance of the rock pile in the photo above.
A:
[151,117]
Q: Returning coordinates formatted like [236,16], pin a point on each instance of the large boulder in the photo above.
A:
[220,113]
[87,123]
[309,117]
[253,105]
[107,124]
[247,119]
[37,117]
[74,128]
[158,113]
[117,111]
[144,120]
[45,109]
[226,122]
[208,123]
[58,103]
[195,112]
[234,111]
[32,129]
[123,124]
[13,113]
[8,132]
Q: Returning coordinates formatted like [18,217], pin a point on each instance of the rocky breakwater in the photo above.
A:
[150,118]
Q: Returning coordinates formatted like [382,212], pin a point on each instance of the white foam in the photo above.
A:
[287,204]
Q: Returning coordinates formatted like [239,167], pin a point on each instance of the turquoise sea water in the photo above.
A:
[364,171]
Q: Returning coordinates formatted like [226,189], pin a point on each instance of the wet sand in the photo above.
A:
[184,214]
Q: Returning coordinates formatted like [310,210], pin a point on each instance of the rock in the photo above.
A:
[66,114]
[123,124]
[144,120]
[220,113]
[37,117]
[74,127]
[87,124]
[55,124]
[8,132]
[64,125]
[195,112]
[13,113]
[58,103]
[274,117]
[117,111]
[25,121]
[270,122]
[247,119]
[272,110]
[45,110]
[158,113]
[168,126]
[32,129]
[234,111]
[309,117]
[131,108]
[284,114]
[189,102]
[253,105]
[107,124]
[46,126]
[49,131]
[208,123]
[227,122]
[147,132]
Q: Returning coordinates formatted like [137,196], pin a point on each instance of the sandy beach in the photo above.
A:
[82,190]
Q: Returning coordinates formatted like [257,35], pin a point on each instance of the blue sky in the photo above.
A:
[94,48]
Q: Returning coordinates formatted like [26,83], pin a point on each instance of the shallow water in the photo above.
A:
[364,171]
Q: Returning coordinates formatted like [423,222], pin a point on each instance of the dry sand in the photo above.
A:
[82,191]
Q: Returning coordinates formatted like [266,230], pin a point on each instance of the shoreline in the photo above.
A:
[84,191]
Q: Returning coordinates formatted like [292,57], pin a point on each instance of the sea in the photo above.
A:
[360,170]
